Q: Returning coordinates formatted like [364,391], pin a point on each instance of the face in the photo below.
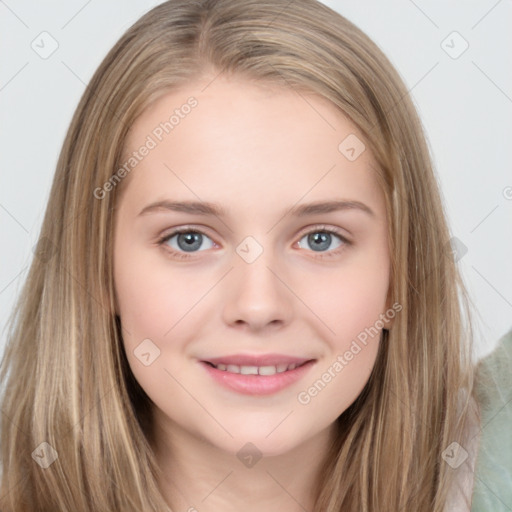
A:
[247,236]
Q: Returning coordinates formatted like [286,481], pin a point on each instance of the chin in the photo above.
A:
[255,442]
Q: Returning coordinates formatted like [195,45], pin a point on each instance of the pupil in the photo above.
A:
[319,241]
[189,241]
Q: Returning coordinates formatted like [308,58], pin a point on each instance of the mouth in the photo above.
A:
[256,370]
[257,379]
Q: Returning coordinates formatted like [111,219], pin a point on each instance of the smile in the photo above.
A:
[255,370]
[257,380]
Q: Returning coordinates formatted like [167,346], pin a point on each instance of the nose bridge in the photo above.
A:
[255,296]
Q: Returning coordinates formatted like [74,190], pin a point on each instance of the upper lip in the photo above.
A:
[257,360]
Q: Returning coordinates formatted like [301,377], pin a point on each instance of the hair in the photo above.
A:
[66,377]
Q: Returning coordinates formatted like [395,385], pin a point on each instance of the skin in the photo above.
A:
[257,151]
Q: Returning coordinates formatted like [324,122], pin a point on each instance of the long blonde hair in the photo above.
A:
[70,400]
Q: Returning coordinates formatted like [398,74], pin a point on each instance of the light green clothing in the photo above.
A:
[492,490]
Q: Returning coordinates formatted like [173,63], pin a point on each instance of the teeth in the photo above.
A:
[249,370]
[256,370]
[267,370]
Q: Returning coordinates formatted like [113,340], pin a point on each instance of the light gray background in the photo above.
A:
[465,104]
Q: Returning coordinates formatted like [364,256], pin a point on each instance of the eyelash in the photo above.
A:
[316,229]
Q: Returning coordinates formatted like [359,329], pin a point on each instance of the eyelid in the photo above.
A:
[184,229]
[324,227]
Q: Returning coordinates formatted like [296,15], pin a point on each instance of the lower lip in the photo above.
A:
[258,384]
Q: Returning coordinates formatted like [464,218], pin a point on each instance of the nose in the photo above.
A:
[255,297]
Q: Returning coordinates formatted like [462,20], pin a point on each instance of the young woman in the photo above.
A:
[244,293]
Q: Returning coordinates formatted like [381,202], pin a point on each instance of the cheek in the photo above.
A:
[351,304]
[151,298]
[344,371]
[154,305]
[351,299]
[338,382]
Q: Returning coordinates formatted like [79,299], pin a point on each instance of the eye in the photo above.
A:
[184,242]
[188,241]
[321,241]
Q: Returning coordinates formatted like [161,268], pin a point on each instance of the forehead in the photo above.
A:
[238,139]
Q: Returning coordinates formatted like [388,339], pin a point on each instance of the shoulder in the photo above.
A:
[493,391]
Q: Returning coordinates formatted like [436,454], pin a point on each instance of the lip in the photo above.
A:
[258,385]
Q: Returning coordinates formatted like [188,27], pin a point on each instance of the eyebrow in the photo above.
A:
[205,208]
